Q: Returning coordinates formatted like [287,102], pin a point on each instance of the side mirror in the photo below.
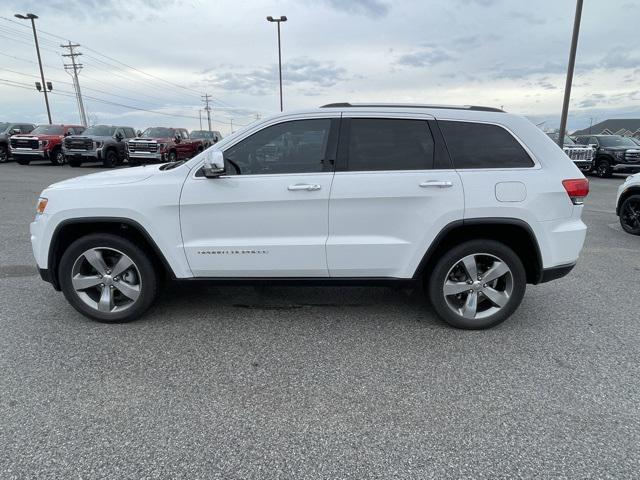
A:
[118,137]
[138,133]
[213,164]
[178,138]
[67,134]
[14,131]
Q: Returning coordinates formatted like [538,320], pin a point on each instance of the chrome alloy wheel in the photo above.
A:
[106,279]
[478,286]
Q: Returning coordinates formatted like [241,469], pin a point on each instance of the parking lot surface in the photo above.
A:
[318,382]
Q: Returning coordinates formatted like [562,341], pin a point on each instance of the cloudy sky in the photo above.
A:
[510,53]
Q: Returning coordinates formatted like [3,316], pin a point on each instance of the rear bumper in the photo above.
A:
[553,273]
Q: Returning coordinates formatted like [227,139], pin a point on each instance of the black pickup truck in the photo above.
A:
[614,153]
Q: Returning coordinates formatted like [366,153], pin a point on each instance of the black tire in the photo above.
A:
[110,159]
[630,215]
[148,277]
[23,161]
[57,157]
[74,162]
[4,154]
[603,169]
[448,262]
[173,156]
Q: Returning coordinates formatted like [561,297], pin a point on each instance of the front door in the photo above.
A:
[267,217]
[393,192]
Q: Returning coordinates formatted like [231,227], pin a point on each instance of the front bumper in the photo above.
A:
[149,156]
[30,154]
[84,155]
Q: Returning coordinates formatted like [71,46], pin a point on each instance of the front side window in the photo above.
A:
[389,144]
[291,147]
[481,145]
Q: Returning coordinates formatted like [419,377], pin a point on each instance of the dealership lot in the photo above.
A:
[243,382]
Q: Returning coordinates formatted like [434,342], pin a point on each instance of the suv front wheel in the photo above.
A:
[107,278]
[477,284]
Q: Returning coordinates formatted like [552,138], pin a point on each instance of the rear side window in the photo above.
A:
[389,144]
[480,145]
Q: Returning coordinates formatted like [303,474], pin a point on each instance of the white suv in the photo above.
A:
[473,201]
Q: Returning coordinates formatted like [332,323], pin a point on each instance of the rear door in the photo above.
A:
[393,192]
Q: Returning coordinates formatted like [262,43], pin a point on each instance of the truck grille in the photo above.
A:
[24,143]
[580,154]
[147,147]
[632,157]
[78,143]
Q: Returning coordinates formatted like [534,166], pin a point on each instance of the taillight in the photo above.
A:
[577,189]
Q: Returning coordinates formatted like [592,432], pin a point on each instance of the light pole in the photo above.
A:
[32,17]
[572,62]
[278,20]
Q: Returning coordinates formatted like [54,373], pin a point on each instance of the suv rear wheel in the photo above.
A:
[477,284]
[107,278]
[630,215]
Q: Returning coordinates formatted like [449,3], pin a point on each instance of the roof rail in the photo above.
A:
[410,105]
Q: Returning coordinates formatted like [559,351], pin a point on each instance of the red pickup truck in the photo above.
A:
[43,143]
[164,145]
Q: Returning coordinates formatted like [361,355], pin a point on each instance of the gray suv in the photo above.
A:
[6,130]
[98,143]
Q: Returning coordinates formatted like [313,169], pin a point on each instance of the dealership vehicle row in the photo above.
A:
[110,145]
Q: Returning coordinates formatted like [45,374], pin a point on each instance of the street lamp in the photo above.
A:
[278,20]
[32,17]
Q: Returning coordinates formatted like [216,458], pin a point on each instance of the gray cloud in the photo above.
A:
[528,17]
[307,74]
[121,9]
[369,8]
[425,57]
[619,59]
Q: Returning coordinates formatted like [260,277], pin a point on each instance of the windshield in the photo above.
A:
[616,141]
[4,126]
[158,132]
[201,134]
[100,131]
[48,130]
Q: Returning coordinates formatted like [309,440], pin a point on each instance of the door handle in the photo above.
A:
[436,183]
[309,187]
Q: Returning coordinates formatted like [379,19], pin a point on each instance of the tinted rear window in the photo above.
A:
[480,145]
[390,144]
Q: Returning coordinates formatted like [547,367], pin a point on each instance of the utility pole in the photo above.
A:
[75,68]
[32,17]
[278,21]
[205,99]
[572,63]
[200,117]
[232,125]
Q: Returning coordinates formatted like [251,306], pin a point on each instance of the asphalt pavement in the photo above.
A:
[319,382]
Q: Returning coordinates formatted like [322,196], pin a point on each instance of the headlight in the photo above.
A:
[43,143]
[162,145]
[98,144]
[619,154]
[42,205]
